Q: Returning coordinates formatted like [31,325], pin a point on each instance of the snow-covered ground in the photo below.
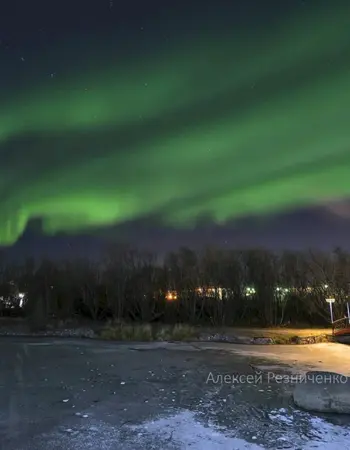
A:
[185,430]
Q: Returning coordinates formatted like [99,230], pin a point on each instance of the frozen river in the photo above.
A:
[82,394]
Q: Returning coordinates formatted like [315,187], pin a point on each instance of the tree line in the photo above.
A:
[212,287]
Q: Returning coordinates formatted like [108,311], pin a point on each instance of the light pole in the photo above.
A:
[330,301]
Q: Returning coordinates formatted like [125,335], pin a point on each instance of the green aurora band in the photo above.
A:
[220,127]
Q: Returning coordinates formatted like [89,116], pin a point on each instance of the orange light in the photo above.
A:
[170,296]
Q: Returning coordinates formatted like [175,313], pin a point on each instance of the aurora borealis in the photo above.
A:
[222,125]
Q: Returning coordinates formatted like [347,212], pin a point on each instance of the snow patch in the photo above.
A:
[322,434]
[329,436]
[184,431]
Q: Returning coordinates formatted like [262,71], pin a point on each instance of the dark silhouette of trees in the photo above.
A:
[213,287]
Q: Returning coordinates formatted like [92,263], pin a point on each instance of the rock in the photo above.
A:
[262,341]
[345,339]
[306,340]
[326,392]
[67,332]
[219,338]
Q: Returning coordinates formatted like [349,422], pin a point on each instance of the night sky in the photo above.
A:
[169,123]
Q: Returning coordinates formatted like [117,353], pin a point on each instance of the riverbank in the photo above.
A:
[180,332]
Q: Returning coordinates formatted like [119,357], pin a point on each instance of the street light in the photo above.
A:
[249,291]
[330,301]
